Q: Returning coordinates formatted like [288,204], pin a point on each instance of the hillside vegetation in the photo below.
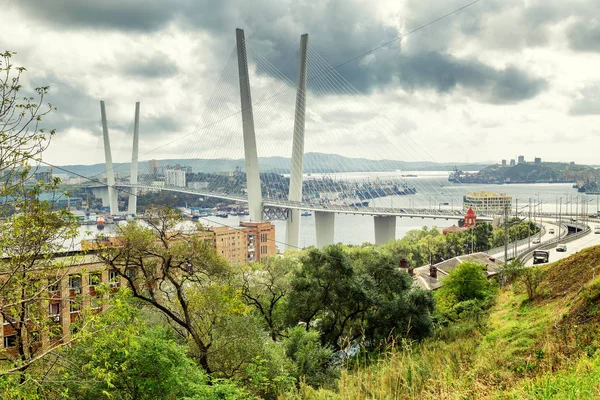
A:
[546,348]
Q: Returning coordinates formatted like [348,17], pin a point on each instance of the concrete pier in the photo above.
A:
[385,229]
[325,225]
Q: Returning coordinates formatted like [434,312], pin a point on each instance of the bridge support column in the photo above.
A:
[292,233]
[102,193]
[133,178]
[324,223]
[110,173]
[250,153]
[385,228]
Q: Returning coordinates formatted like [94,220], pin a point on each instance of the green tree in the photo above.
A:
[344,293]
[466,282]
[466,288]
[312,361]
[22,137]
[179,274]
[120,357]
[28,242]
[264,287]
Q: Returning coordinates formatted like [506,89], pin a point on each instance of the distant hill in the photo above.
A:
[313,163]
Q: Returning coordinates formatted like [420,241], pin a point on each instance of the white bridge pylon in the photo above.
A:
[108,194]
[384,219]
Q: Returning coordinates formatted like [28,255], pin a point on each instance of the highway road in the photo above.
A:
[588,240]
[525,244]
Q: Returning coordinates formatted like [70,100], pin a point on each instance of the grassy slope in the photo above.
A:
[544,349]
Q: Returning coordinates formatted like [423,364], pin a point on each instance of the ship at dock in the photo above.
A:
[100,222]
[589,188]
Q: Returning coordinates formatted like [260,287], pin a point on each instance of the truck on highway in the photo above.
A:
[540,256]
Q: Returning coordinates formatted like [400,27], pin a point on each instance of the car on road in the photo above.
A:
[551,231]
[561,247]
[540,257]
[597,229]
[536,241]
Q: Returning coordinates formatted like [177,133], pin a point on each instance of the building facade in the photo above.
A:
[486,203]
[175,177]
[74,291]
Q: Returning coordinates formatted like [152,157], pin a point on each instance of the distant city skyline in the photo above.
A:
[498,76]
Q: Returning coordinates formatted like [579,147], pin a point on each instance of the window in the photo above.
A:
[95,302]
[53,309]
[130,272]
[113,276]
[10,341]
[75,281]
[54,287]
[74,306]
[95,279]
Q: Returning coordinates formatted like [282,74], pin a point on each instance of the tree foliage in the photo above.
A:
[22,137]
[179,274]
[344,295]
[120,357]
[465,292]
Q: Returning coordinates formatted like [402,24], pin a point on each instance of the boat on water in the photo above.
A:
[589,188]
[221,214]
[100,222]
[233,214]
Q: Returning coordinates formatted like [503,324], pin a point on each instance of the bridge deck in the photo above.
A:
[338,209]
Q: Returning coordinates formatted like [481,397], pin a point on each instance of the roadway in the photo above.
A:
[525,244]
[329,208]
[588,240]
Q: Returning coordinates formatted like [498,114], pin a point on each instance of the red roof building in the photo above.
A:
[470,218]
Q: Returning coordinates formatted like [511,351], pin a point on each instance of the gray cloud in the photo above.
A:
[130,15]
[444,73]
[584,35]
[338,31]
[149,66]
[588,101]
[75,109]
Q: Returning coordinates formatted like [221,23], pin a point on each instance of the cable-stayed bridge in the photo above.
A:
[329,116]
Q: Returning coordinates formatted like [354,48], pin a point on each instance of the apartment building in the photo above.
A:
[250,242]
[70,291]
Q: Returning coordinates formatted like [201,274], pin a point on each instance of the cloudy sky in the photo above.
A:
[497,79]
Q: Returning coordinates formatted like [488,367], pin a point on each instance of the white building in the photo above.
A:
[175,177]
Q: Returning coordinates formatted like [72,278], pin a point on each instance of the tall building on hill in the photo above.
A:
[521,160]
[153,166]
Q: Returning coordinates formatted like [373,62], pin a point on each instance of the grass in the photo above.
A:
[541,349]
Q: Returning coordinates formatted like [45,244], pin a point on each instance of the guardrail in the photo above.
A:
[528,253]
[498,252]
